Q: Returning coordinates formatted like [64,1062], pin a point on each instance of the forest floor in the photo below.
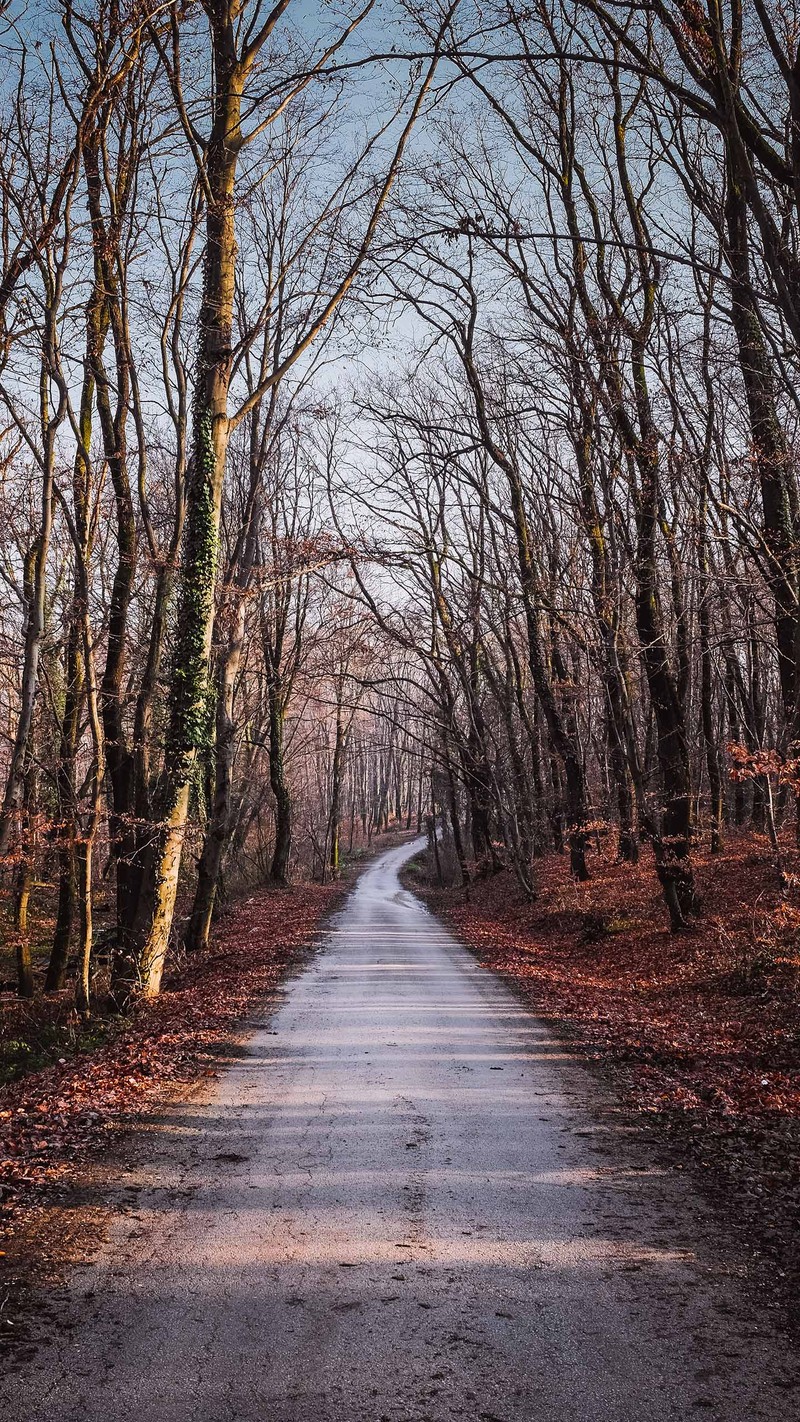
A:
[701,1032]
[401,1198]
[67,1089]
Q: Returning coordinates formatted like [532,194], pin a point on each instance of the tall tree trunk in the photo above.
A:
[605,602]
[36,599]
[672,838]
[773,462]
[104,315]
[85,856]
[142,969]
[710,736]
[771,455]
[76,683]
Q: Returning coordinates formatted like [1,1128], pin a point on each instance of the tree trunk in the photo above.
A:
[710,736]
[84,893]
[339,748]
[565,746]
[672,839]
[219,824]
[605,602]
[67,883]
[36,588]
[22,894]
[770,452]
[455,818]
[188,727]
[279,868]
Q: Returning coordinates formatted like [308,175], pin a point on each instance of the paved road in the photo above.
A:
[403,1201]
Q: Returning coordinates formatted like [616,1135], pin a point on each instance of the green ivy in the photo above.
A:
[194,697]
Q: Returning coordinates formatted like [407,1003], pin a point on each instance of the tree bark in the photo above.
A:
[279,868]
[141,970]
[337,771]
[770,452]
[219,826]
[68,747]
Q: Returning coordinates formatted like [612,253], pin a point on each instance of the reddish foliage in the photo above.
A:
[760,764]
[50,1119]
[710,1019]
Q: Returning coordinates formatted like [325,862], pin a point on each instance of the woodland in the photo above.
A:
[398,426]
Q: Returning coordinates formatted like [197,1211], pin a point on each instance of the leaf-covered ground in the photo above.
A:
[53,1118]
[702,1030]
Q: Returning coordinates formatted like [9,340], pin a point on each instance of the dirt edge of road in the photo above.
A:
[102,1108]
[61,1190]
[719,1151]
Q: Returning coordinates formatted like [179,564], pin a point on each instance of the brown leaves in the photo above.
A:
[49,1119]
[760,764]
[701,1028]
[705,1022]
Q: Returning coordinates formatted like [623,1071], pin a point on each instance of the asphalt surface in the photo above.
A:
[403,1200]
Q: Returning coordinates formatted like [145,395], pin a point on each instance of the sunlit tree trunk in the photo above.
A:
[75,688]
[68,747]
[23,885]
[224,755]
[189,709]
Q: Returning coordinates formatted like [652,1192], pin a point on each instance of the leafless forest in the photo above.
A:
[399,425]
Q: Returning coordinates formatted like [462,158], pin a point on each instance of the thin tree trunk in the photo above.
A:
[22,894]
[36,580]
[279,868]
[455,820]
[710,736]
[67,882]
[218,829]
[770,451]
[339,748]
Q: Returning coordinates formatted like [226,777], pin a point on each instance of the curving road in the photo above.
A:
[403,1200]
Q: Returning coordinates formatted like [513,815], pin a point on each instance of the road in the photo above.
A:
[403,1200]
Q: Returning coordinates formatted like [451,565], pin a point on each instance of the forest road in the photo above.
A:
[403,1200]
